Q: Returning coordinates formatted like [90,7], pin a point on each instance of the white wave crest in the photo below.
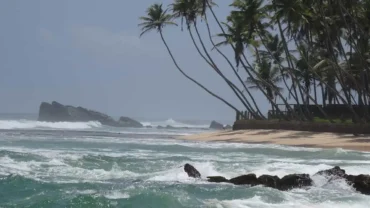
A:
[173,123]
[29,124]
[297,202]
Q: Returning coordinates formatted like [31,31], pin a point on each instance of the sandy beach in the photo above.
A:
[291,138]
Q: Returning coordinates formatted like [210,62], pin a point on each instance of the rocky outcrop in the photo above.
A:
[250,179]
[191,171]
[217,179]
[294,181]
[216,125]
[269,181]
[129,122]
[336,171]
[360,183]
[56,112]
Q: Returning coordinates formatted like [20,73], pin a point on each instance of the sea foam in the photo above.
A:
[173,123]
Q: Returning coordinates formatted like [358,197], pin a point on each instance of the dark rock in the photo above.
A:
[249,179]
[129,122]
[191,171]
[56,112]
[149,127]
[170,127]
[53,112]
[360,182]
[269,181]
[350,179]
[216,125]
[228,127]
[294,181]
[336,171]
[217,179]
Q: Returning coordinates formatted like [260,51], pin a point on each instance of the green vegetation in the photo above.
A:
[311,50]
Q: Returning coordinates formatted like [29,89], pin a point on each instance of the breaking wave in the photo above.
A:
[173,123]
[29,124]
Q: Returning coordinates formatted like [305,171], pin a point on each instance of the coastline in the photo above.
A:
[286,137]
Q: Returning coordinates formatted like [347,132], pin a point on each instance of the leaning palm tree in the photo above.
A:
[157,18]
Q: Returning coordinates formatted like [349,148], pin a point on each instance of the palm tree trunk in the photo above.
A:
[232,67]
[267,84]
[231,85]
[214,66]
[295,96]
[249,74]
[272,111]
[315,88]
[323,94]
[194,81]
[289,60]
[307,83]
[330,45]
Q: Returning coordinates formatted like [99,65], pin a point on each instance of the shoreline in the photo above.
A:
[286,137]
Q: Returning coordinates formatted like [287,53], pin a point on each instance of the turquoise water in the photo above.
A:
[89,165]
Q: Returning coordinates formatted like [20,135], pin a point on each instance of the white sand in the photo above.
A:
[292,138]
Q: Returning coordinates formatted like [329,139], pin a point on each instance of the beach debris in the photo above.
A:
[360,183]
[191,171]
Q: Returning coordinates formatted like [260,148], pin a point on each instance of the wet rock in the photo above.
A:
[336,171]
[191,171]
[217,179]
[360,182]
[294,181]
[249,179]
[129,122]
[269,181]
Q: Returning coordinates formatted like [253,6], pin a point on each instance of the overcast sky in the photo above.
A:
[88,53]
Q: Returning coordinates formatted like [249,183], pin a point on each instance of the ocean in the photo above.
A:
[89,165]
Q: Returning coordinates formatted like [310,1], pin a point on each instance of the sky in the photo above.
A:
[88,53]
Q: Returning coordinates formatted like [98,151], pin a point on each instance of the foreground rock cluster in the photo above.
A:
[360,183]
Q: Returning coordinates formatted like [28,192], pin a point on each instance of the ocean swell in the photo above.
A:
[29,124]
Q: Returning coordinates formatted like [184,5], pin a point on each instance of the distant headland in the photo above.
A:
[57,112]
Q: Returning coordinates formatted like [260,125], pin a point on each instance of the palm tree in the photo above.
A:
[303,71]
[267,74]
[156,19]
[331,36]
[190,10]
[236,37]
